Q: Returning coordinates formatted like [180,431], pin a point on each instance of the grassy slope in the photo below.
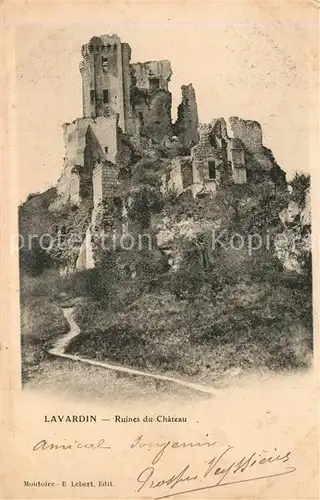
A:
[223,310]
[42,322]
[252,327]
[237,311]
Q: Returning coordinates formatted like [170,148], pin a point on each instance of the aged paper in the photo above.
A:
[159,300]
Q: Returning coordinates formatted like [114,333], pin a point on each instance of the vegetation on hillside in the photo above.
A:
[222,308]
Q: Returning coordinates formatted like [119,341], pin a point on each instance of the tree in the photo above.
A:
[300,185]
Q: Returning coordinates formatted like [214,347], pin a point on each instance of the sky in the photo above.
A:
[240,64]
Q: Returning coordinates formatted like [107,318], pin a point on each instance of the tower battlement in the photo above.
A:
[112,85]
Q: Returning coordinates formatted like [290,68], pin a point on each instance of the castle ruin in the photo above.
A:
[127,113]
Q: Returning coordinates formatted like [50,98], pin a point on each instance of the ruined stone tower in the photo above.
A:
[127,118]
[125,106]
[106,80]
[186,126]
[136,93]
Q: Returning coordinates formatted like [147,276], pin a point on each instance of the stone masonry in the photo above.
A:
[186,126]
[214,159]
[126,109]
[125,105]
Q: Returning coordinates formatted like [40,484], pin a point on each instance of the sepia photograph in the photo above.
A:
[169,247]
[159,263]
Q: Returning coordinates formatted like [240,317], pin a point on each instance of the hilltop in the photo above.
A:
[183,246]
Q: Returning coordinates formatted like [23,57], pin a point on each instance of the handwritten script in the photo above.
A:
[217,467]
[44,445]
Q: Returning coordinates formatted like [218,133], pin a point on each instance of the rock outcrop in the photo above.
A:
[293,246]
[250,134]
[186,126]
[126,143]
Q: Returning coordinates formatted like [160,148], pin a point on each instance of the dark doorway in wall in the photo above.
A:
[186,173]
[212,170]
[141,120]
[154,83]
[105,96]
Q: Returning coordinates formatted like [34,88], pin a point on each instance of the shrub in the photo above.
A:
[41,323]
[300,185]
[34,261]
[147,201]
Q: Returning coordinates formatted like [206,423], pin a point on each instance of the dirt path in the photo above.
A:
[61,344]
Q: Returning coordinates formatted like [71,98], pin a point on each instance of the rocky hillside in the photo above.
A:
[225,282]
[183,244]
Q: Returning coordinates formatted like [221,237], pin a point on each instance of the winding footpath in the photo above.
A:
[61,345]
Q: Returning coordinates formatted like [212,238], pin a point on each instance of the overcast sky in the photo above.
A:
[238,64]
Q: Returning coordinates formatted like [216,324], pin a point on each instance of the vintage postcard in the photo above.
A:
[160,250]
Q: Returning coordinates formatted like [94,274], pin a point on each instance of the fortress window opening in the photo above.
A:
[212,170]
[141,118]
[105,63]
[154,83]
[105,96]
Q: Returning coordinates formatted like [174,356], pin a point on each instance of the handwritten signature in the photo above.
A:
[229,471]
[43,445]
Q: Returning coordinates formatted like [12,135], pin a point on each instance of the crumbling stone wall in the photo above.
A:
[186,126]
[179,177]
[151,75]
[125,150]
[214,160]
[158,124]
[127,115]
[75,140]
[140,106]
[126,104]
[219,128]
[174,179]
[106,132]
[69,182]
[74,187]
[129,125]
[186,172]
[104,179]
[153,110]
[150,99]
[249,132]
[236,157]
[101,145]
[204,154]
[99,181]
[88,141]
